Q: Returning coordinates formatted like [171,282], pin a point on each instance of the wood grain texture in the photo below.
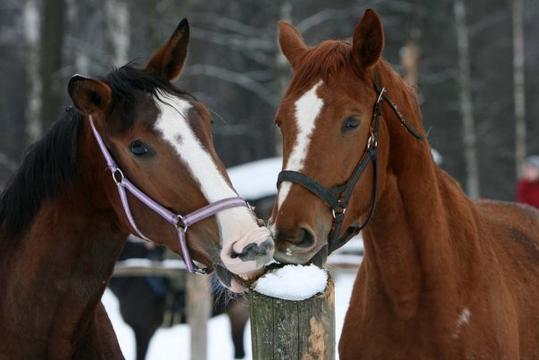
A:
[302,330]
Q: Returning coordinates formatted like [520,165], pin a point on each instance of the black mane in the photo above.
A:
[51,163]
[48,166]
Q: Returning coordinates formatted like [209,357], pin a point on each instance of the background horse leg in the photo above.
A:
[143,335]
[238,312]
[143,313]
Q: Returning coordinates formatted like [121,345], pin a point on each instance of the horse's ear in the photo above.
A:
[89,95]
[368,41]
[291,42]
[168,61]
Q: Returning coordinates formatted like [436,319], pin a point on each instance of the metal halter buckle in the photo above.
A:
[379,99]
[117,176]
[339,210]
[371,143]
[180,224]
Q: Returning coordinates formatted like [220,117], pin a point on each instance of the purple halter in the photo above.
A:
[180,222]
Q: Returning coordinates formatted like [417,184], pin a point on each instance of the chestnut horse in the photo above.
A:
[64,219]
[444,276]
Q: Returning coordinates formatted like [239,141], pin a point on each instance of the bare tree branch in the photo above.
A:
[466,104]
[246,42]
[255,49]
[487,21]
[239,79]
[226,23]
[325,15]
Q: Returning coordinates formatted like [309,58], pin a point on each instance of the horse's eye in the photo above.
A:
[350,123]
[138,148]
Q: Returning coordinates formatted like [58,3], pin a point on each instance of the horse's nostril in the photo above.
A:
[307,238]
[303,238]
[254,251]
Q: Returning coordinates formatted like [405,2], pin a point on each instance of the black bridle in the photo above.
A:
[338,197]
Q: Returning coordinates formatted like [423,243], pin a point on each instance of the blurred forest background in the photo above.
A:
[476,63]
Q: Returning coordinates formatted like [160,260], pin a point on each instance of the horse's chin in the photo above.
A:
[236,283]
[237,286]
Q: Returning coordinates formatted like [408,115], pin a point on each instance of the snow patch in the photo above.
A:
[293,282]
[257,179]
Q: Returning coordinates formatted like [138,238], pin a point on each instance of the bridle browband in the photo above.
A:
[180,222]
[338,197]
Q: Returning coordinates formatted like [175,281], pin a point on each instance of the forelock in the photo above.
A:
[128,83]
[323,61]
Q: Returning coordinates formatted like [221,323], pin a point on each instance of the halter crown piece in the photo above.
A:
[180,222]
[338,197]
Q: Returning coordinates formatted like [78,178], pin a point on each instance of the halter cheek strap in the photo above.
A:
[180,222]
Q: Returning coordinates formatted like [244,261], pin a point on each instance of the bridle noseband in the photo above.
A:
[338,197]
[180,222]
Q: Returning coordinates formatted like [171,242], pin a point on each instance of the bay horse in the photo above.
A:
[443,276]
[64,218]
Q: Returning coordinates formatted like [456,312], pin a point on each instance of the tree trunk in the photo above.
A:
[51,59]
[466,104]
[33,106]
[283,71]
[117,14]
[199,302]
[293,330]
[409,55]
[518,83]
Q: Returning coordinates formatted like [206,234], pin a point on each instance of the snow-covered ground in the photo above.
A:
[173,343]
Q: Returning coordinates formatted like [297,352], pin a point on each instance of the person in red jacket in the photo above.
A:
[528,185]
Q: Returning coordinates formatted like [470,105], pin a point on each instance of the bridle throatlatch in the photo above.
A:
[338,197]
[180,222]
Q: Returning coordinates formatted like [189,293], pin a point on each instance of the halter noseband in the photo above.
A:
[338,197]
[180,222]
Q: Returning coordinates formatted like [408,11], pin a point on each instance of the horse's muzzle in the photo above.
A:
[248,255]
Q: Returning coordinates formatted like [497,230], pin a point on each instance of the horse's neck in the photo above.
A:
[422,235]
[60,267]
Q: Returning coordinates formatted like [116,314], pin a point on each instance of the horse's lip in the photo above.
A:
[225,276]
[319,258]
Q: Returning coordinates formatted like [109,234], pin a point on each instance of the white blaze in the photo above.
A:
[307,108]
[174,128]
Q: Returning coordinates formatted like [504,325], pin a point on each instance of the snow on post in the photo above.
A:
[293,314]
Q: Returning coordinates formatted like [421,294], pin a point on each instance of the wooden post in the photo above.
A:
[199,302]
[295,330]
